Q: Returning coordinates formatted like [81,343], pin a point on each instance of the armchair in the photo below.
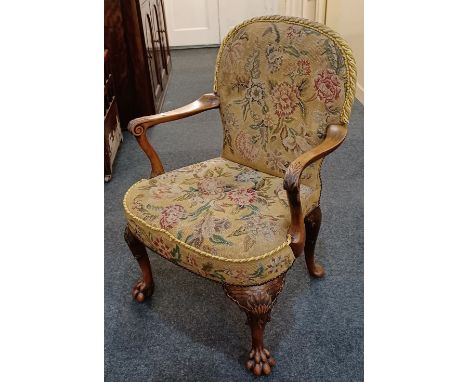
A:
[284,87]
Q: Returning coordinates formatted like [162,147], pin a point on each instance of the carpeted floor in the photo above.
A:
[189,330]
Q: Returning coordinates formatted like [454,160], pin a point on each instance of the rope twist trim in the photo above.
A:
[194,249]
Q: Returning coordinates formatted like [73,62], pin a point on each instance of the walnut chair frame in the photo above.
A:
[256,301]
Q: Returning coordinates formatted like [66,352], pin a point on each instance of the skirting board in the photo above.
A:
[194,46]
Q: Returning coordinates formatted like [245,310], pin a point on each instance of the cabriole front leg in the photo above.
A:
[257,302]
[145,285]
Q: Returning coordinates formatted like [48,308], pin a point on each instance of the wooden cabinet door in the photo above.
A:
[149,20]
[163,36]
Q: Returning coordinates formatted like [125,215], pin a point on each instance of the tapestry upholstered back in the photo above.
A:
[281,82]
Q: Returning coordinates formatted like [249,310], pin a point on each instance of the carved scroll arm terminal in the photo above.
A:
[139,126]
[334,138]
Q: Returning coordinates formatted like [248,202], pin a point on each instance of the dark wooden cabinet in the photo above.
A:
[136,35]
[112,131]
[156,44]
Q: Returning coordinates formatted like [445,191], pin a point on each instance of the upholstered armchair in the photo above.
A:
[284,88]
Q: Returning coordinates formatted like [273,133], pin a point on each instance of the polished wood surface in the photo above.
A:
[257,302]
[112,131]
[115,40]
[312,223]
[205,102]
[135,32]
[156,47]
[139,126]
[145,286]
[334,138]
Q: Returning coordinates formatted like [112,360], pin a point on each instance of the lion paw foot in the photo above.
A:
[141,290]
[260,362]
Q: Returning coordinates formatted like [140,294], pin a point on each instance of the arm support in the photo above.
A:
[139,126]
[335,137]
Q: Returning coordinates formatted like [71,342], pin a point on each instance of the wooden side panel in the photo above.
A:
[114,40]
[112,130]
[112,139]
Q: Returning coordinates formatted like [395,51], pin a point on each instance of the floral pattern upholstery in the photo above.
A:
[281,82]
[220,219]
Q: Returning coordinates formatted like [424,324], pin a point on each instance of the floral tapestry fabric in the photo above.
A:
[280,86]
[220,219]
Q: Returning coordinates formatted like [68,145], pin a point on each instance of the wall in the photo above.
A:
[347,18]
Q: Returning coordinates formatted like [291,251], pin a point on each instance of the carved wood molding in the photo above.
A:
[139,126]
[256,301]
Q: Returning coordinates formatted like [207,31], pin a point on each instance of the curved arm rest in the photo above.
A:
[335,137]
[139,126]
[205,102]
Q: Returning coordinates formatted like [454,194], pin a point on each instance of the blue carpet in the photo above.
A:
[189,330]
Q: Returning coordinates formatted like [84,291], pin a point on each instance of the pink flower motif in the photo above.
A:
[294,32]
[275,265]
[191,261]
[233,52]
[262,226]
[243,196]
[236,273]
[164,191]
[303,67]
[162,248]
[171,215]
[286,98]
[209,249]
[328,86]
[246,147]
[210,186]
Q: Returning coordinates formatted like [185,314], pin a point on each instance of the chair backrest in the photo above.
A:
[281,82]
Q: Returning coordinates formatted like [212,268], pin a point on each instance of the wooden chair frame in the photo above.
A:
[256,301]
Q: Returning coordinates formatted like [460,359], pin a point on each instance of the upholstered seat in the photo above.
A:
[217,218]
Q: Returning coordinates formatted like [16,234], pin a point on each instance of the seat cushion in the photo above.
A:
[219,219]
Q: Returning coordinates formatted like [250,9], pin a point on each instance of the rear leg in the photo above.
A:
[312,225]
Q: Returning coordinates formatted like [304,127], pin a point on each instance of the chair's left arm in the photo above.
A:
[139,126]
[334,138]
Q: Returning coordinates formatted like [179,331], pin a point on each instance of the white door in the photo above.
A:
[232,13]
[192,22]
[206,22]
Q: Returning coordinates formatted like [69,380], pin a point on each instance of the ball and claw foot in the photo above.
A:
[141,290]
[260,362]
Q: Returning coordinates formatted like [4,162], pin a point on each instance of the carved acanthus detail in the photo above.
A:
[256,302]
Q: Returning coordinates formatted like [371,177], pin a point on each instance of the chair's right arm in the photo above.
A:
[334,138]
[139,126]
